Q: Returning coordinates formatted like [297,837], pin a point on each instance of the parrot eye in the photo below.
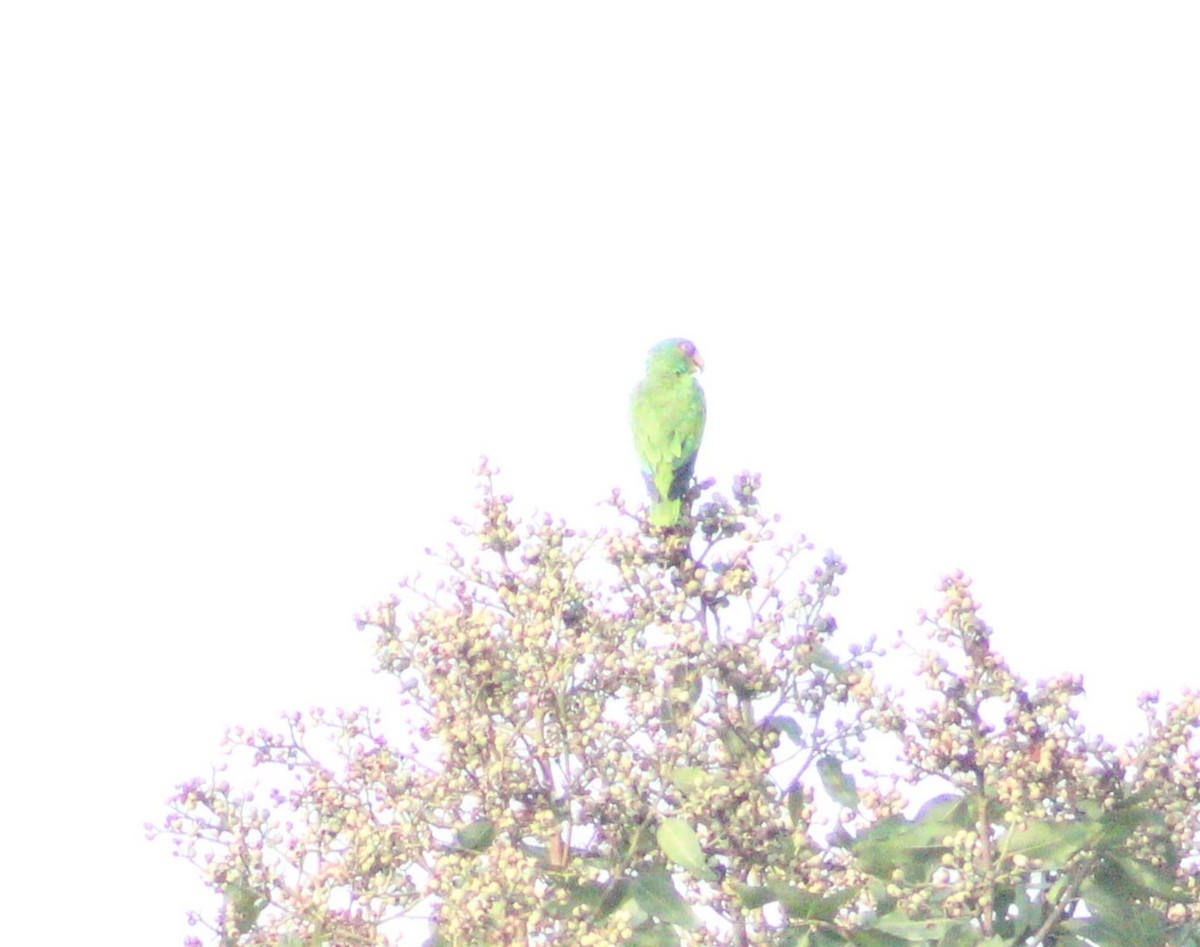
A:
[687,349]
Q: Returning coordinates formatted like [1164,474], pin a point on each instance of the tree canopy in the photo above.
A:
[647,736]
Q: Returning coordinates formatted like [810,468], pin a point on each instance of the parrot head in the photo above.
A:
[677,356]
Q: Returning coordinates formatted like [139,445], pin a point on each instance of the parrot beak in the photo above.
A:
[689,351]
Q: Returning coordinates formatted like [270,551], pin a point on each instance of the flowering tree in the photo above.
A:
[657,737]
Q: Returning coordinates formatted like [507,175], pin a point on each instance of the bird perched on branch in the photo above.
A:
[668,422]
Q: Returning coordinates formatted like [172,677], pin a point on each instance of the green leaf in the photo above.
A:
[800,905]
[739,683]
[912,847]
[947,809]
[679,843]
[1140,928]
[1115,919]
[657,935]
[477,836]
[892,845]
[785,725]
[812,937]
[1119,824]
[588,895]
[807,906]
[795,803]
[686,777]
[245,904]
[899,924]
[538,852]
[655,894]
[840,787]
[870,937]
[735,743]
[1003,898]
[1052,843]
[615,894]
[821,937]
[755,896]
[1138,879]
[635,841]
[825,659]
[689,778]
[962,934]
[878,889]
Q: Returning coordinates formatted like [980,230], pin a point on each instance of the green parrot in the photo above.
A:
[668,421]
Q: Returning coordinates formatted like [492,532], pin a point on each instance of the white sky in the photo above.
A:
[275,274]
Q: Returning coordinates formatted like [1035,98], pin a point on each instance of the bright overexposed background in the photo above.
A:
[274,275]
